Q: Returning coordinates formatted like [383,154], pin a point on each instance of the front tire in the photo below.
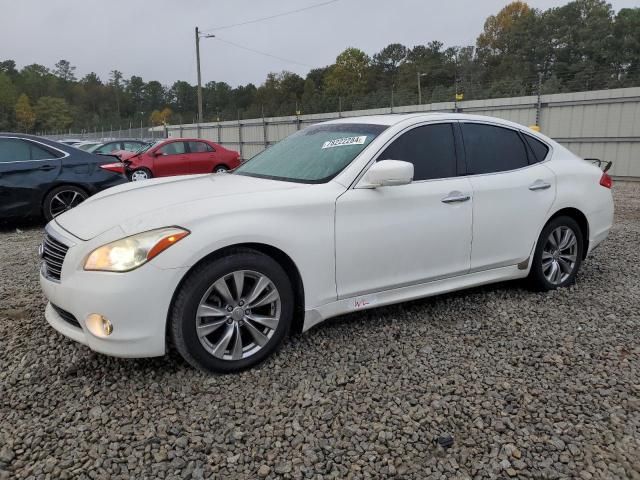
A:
[140,174]
[61,199]
[221,169]
[558,255]
[233,312]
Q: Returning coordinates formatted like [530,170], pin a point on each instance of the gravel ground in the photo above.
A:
[530,385]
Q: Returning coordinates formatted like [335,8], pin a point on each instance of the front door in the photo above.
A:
[172,159]
[397,236]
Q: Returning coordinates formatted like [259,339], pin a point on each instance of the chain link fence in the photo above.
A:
[145,133]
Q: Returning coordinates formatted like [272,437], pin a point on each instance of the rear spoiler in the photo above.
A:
[602,164]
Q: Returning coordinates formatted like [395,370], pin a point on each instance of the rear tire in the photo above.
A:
[221,169]
[140,174]
[61,199]
[558,255]
[232,313]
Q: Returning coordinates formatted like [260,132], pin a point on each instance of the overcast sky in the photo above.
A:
[155,39]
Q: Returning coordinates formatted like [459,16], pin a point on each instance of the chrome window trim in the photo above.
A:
[64,154]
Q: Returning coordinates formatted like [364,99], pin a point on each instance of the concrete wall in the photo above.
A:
[602,124]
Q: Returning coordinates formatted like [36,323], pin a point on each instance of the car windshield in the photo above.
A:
[313,155]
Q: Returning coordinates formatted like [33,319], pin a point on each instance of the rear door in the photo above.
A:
[27,171]
[202,157]
[512,194]
[172,159]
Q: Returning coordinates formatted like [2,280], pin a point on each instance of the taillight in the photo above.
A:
[606,181]
[113,167]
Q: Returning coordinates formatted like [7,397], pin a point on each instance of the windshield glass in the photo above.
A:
[313,155]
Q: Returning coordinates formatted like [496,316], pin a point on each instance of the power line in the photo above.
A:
[263,53]
[256,20]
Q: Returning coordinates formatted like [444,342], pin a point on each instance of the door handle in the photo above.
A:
[456,197]
[46,168]
[539,185]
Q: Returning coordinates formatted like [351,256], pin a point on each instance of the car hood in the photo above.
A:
[132,202]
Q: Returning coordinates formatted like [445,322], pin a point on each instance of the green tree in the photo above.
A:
[65,71]
[115,82]
[53,114]
[7,101]
[348,76]
[25,116]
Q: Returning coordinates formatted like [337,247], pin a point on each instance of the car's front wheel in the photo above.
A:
[141,174]
[233,312]
[558,254]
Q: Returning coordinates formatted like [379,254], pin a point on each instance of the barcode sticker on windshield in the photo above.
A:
[341,142]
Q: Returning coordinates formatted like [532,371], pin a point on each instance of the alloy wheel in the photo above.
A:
[139,175]
[238,315]
[559,255]
[65,200]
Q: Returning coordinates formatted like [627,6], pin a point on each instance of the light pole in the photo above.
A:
[420,87]
[199,77]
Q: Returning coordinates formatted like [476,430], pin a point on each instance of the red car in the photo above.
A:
[175,156]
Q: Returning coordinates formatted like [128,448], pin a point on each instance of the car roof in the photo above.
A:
[394,119]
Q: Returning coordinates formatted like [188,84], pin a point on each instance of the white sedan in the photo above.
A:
[341,216]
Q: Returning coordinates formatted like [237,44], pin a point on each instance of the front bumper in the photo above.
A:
[136,303]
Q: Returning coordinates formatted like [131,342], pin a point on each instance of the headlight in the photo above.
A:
[131,252]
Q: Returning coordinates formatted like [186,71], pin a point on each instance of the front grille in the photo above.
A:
[66,316]
[53,253]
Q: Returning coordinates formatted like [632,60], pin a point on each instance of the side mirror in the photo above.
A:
[387,173]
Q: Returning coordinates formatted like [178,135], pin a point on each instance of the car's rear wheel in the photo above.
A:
[220,169]
[232,313]
[140,174]
[61,199]
[558,254]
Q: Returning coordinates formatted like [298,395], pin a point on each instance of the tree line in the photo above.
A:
[583,45]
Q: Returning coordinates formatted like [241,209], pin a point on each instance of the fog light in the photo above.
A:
[98,325]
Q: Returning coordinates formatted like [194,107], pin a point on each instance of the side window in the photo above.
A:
[16,150]
[199,147]
[539,149]
[173,148]
[431,149]
[41,153]
[108,147]
[493,149]
[132,146]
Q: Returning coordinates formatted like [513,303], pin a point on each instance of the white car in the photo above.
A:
[342,216]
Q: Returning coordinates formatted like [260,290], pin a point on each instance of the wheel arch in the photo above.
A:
[284,260]
[582,221]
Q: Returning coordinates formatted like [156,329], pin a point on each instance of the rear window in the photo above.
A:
[540,150]
[16,150]
[493,149]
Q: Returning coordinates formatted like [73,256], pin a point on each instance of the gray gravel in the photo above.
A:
[529,385]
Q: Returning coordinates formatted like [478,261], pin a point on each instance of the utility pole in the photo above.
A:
[199,76]
[539,105]
[420,75]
